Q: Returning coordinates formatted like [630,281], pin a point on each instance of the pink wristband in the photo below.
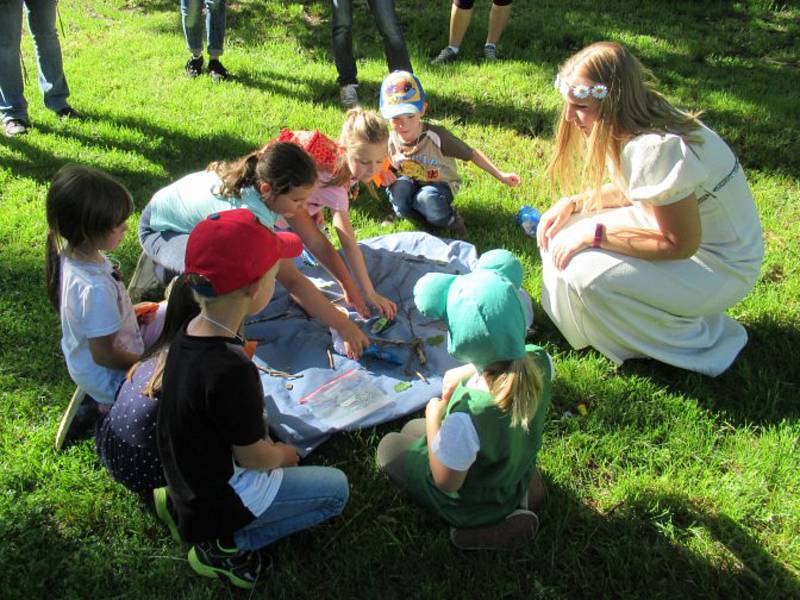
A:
[598,235]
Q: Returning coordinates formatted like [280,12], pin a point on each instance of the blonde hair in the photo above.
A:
[360,128]
[632,107]
[516,388]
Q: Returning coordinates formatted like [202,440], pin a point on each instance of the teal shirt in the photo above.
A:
[183,204]
[499,477]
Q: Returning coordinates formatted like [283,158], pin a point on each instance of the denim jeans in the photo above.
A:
[434,201]
[307,496]
[389,27]
[42,25]
[193,26]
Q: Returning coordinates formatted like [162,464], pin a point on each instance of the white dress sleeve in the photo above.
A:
[457,443]
[661,169]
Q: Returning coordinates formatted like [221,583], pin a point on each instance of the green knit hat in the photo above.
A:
[482,309]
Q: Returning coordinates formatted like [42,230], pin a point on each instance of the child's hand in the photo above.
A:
[354,340]
[452,377]
[387,178]
[290,456]
[434,410]
[145,312]
[511,179]
[354,299]
[385,306]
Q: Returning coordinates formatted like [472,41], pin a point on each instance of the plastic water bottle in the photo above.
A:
[528,218]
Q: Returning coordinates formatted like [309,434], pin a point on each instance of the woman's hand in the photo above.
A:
[553,220]
[579,237]
[385,306]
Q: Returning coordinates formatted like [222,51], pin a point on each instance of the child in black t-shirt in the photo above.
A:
[233,489]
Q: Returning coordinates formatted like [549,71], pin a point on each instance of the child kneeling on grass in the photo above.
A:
[472,459]
[233,489]
[424,178]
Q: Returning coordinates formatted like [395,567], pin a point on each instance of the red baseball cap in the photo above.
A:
[232,249]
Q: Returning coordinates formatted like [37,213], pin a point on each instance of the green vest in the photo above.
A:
[498,479]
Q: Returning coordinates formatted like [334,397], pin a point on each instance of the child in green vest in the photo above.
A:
[472,459]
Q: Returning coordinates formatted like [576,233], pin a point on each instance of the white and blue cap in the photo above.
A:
[401,94]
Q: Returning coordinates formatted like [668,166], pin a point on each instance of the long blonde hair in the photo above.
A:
[516,387]
[360,128]
[632,107]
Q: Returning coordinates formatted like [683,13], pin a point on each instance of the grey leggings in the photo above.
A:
[167,249]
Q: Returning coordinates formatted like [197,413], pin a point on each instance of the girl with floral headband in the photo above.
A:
[645,264]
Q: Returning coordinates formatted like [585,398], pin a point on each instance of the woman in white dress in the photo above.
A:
[645,261]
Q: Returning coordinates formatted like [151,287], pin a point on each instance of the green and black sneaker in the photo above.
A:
[164,511]
[211,559]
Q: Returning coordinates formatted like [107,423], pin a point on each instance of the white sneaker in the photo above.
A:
[348,95]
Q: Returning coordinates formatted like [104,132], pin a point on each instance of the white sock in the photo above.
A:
[455,49]
[490,45]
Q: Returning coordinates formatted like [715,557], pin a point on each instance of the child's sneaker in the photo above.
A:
[490,53]
[241,567]
[164,511]
[445,56]
[517,529]
[217,71]
[194,66]
[348,95]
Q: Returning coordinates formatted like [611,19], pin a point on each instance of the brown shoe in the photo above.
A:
[537,492]
[457,225]
[516,530]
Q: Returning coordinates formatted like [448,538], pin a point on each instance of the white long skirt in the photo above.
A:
[624,307]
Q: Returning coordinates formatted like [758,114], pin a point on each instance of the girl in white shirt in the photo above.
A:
[87,213]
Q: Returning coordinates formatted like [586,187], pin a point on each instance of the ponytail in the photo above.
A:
[181,307]
[53,270]
[516,387]
[282,165]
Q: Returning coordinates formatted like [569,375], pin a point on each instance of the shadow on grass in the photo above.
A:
[651,544]
[178,154]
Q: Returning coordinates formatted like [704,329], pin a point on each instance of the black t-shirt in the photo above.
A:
[212,399]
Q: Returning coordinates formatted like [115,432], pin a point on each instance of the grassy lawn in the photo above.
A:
[674,485]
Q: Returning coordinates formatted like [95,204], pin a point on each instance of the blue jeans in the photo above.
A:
[193,26]
[389,27]
[434,201]
[42,25]
[307,496]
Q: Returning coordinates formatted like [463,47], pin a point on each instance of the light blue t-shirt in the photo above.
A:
[183,204]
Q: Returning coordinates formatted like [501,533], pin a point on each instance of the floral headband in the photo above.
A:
[581,91]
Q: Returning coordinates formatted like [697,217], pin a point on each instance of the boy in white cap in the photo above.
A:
[233,489]
[424,178]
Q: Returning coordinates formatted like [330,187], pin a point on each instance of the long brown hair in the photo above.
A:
[83,204]
[632,107]
[516,387]
[282,165]
[181,307]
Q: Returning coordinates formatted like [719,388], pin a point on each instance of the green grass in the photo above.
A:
[675,484]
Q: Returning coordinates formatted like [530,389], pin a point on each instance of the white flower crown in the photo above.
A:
[581,91]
